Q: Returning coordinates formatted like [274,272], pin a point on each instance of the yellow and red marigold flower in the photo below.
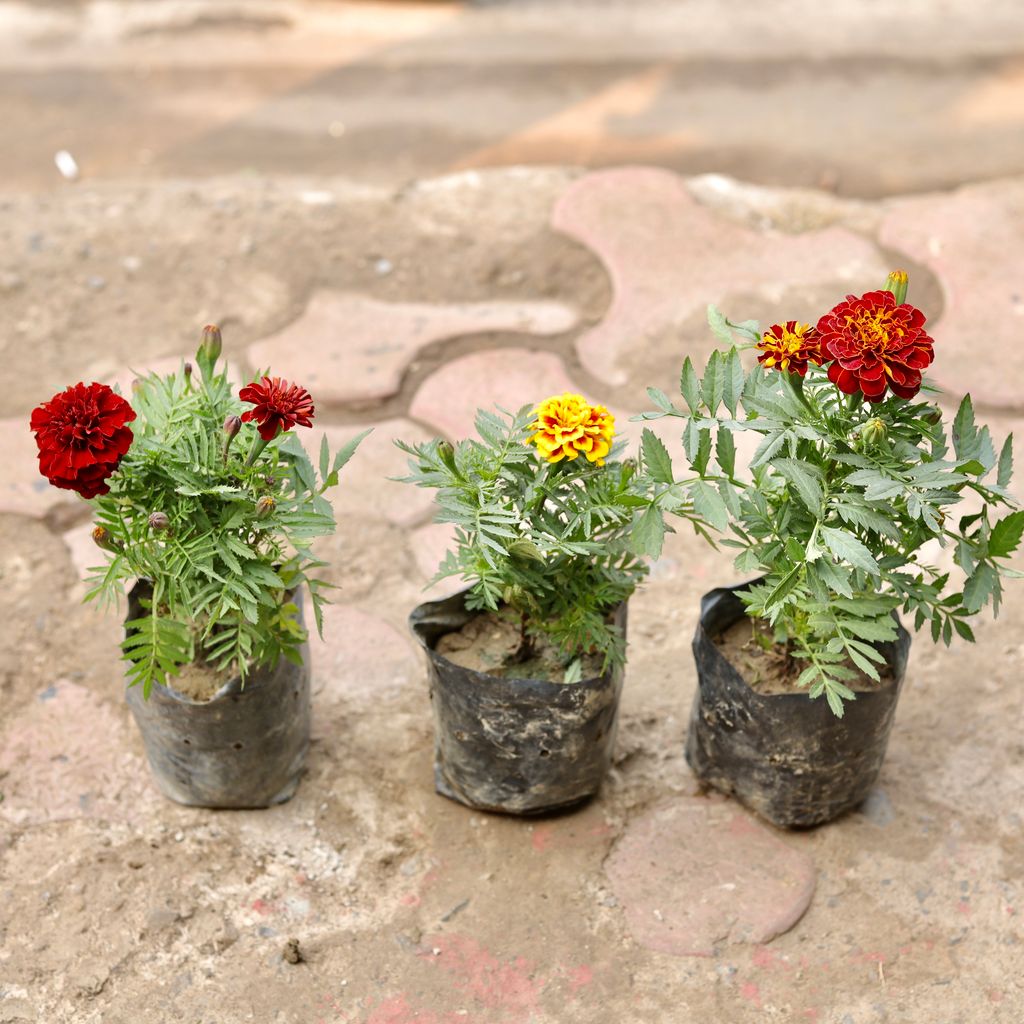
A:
[789,347]
[874,344]
[568,426]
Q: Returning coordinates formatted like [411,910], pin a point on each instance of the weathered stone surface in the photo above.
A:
[697,872]
[354,349]
[23,490]
[974,241]
[429,544]
[506,377]
[68,755]
[360,657]
[668,257]
[365,487]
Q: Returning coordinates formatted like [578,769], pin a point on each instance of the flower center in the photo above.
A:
[875,328]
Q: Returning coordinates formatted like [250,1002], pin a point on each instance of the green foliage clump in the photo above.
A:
[551,541]
[221,545]
[839,502]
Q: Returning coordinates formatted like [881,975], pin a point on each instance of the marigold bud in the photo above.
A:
[188,370]
[209,348]
[265,506]
[897,283]
[874,432]
[158,521]
[136,385]
[232,425]
[446,451]
[102,539]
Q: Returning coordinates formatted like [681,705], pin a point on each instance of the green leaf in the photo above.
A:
[708,504]
[732,380]
[768,448]
[348,450]
[1006,535]
[325,458]
[980,587]
[719,325]
[656,457]
[849,549]
[964,430]
[689,386]
[1005,463]
[714,381]
[649,533]
[783,587]
[805,478]
[725,451]
[660,399]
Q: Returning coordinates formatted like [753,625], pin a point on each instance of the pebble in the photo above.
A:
[10,282]
[96,283]
[383,267]
[131,264]
[179,836]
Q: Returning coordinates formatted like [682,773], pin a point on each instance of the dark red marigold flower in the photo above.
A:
[279,406]
[82,437]
[789,346]
[875,344]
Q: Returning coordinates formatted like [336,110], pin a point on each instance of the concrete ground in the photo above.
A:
[403,308]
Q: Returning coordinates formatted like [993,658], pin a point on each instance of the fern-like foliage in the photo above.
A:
[552,542]
[223,568]
[838,503]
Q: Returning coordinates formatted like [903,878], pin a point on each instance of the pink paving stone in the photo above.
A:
[361,656]
[68,755]
[696,872]
[668,257]
[507,377]
[23,491]
[974,242]
[429,544]
[365,487]
[353,349]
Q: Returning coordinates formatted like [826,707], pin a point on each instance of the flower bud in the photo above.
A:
[265,506]
[874,432]
[897,283]
[232,425]
[136,385]
[158,521]
[446,452]
[102,539]
[211,345]
[188,370]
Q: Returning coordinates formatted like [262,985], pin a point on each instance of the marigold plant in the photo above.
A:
[853,475]
[538,529]
[214,517]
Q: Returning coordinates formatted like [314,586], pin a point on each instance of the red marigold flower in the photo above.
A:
[82,437]
[789,347]
[279,406]
[875,344]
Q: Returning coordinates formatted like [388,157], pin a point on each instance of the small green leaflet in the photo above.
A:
[1005,463]
[732,380]
[719,325]
[849,549]
[708,504]
[689,386]
[1006,535]
[656,457]
[805,478]
[980,587]
[649,533]
[712,387]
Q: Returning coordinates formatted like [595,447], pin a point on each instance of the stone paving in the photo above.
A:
[652,903]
